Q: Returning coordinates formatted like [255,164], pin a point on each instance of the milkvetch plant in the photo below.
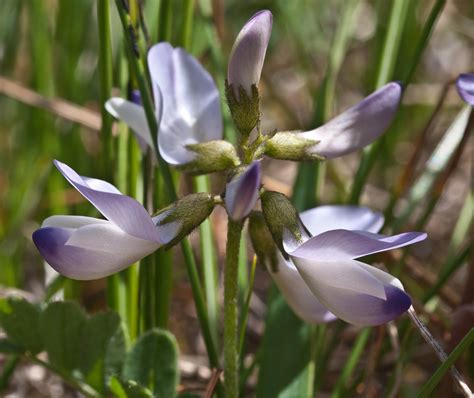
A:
[313,257]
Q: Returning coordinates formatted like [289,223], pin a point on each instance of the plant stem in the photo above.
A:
[189,261]
[234,232]
[440,353]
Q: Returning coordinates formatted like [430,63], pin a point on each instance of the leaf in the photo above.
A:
[128,389]
[153,363]
[115,354]
[284,366]
[20,321]
[7,347]
[61,326]
[95,336]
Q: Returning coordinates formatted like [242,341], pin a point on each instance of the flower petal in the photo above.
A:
[465,87]
[117,250]
[358,126]
[134,116]
[248,53]
[341,244]
[71,221]
[191,104]
[299,297]
[242,192]
[374,297]
[123,211]
[342,274]
[325,218]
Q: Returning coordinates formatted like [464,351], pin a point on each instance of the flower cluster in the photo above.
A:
[312,256]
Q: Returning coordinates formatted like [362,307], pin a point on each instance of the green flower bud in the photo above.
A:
[262,241]
[283,220]
[291,146]
[211,157]
[245,109]
[180,218]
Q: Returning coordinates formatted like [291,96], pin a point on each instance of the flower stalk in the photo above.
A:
[231,382]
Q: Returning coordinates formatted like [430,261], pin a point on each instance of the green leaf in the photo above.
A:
[61,326]
[95,336]
[128,389]
[455,354]
[285,363]
[20,321]
[115,353]
[153,363]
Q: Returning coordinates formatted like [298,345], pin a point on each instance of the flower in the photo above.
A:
[352,130]
[323,280]
[90,248]
[248,53]
[242,192]
[465,87]
[186,101]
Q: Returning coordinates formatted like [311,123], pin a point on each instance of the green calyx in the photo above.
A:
[185,215]
[262,241]
[291,146]
[282,219]
[245,110]
[211,157]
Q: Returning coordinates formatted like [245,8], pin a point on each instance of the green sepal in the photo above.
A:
[245,110]
[282,219]
[211,157]
[262,241]
[188,213]
[291,145]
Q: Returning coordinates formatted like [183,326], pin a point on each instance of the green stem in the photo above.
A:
[165,20]
[190,263]
[186,30]
[231,383]
[84,388]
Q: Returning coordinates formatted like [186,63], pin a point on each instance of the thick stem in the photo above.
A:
[440,353]
[234,231]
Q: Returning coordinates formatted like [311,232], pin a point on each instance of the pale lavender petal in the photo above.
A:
[299,297]
[242,192]
[191,104]
[465,87]
[71,221]
[114,252]
[342,244]
[329,217]
[248,53]
[373,297]
[358,126]
[123,211]
[134,116]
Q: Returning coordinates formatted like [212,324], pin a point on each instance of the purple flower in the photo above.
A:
[242,192]
[187,105]
[352,130]
[324,280]
[465,87]
[248,52]
[90,248]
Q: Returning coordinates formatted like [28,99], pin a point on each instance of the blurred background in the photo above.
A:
[49,109]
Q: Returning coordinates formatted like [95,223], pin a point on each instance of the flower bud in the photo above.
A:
[283,221]
[262,241]
[248,54]
[244,70]
[291,146]
[242,192]
[211,157]
[180,218]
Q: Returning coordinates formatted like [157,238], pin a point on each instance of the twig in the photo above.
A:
[211,386]
[74,113]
